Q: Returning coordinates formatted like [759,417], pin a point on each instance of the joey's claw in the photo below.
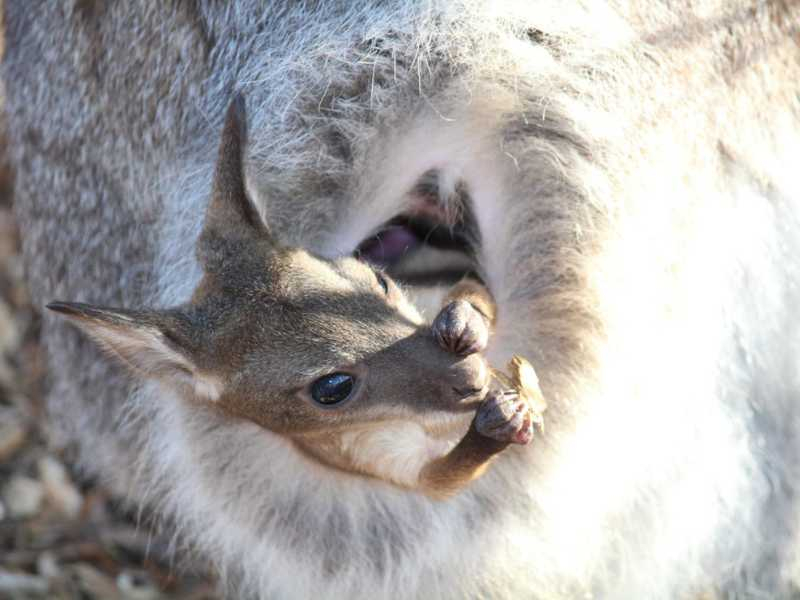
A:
[505,417]
[461,329]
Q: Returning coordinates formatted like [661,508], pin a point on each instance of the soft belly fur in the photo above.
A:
[632,170]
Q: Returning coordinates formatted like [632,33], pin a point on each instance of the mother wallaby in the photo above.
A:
[620,176]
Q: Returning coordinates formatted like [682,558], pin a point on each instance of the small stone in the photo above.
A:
[20,585]
[59,490]
[10,334]
[23,497]
[93,583]
[12,433]
[136,585]
[8,234]
[47,565]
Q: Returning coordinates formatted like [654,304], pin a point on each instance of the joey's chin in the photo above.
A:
[447,425]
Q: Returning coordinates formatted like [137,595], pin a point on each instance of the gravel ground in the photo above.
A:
[60,538]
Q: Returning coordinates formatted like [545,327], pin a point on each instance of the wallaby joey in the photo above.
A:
[327,353]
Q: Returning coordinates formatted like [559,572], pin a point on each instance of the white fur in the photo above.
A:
[396,451]
[207,387]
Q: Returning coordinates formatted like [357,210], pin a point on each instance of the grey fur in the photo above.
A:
[631,171]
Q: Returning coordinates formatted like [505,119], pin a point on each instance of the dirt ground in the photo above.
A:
[60,538]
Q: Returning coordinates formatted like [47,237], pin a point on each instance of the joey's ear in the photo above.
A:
[154,344]
[231,217]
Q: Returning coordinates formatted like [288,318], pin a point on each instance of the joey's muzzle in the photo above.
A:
[463,331]
[468,379]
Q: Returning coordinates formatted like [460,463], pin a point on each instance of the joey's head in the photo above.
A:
[326,352]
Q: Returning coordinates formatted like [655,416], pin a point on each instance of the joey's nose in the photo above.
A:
[468,378]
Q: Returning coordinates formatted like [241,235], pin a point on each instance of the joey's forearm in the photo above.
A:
[503,418]
[463,327]
[448,474]
[477,295]
[464,324]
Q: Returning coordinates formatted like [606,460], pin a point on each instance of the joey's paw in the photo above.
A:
[461,329]
[505,417]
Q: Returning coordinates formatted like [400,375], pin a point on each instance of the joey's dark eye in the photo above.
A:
[382,281]
[333,388]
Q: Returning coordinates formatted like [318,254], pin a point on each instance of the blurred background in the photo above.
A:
[61,537]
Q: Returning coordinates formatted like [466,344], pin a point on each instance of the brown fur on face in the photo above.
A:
[266,322]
